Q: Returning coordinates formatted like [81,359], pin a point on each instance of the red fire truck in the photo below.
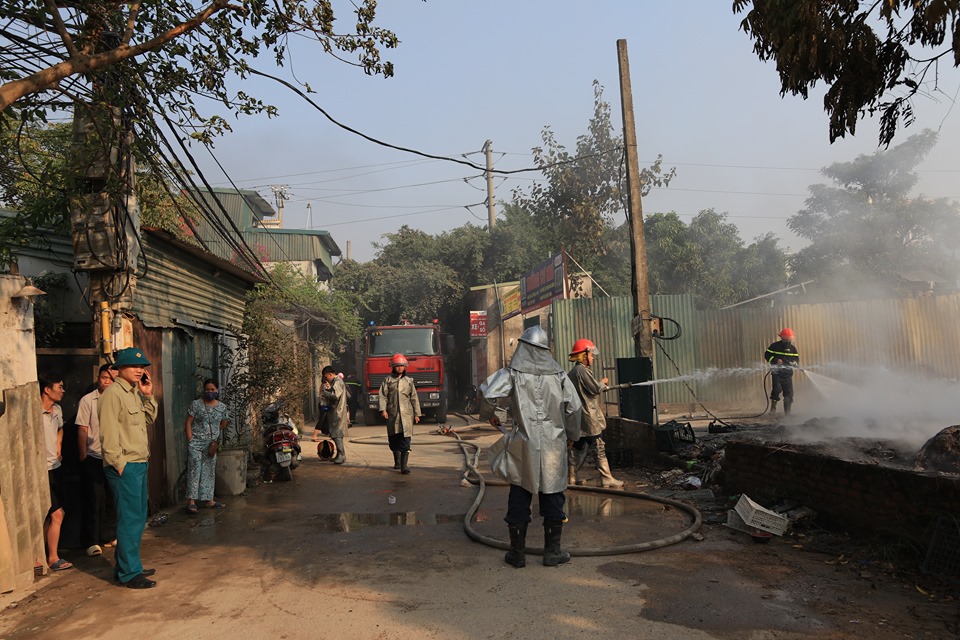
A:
[424,347]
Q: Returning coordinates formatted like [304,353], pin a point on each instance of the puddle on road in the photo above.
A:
[346,522]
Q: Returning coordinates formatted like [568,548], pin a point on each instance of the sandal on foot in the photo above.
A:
[61,565]
[215,505]
[191,509]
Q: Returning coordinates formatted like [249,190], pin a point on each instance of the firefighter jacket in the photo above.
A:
[546,411]
[398,397]
[590,391]
[338,418]
[785,351]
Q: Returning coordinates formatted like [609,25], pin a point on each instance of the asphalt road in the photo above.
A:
[328,556]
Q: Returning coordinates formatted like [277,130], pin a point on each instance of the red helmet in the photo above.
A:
[582,345]
[398,360]
[787,334]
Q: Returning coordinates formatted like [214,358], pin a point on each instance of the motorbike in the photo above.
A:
[281,443]
[470,399]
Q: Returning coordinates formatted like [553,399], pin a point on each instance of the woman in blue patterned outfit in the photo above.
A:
[206,418]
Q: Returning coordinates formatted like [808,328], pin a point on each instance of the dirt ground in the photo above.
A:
[328,556]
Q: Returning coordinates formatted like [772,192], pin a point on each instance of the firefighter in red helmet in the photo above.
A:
[400,407]
[583,352]
[783,357]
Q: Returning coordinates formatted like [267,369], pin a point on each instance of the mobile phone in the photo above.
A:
[144,379]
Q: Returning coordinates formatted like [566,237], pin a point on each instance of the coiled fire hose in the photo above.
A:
[471,456]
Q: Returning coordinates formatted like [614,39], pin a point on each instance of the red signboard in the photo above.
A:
[543,284]
[478,324]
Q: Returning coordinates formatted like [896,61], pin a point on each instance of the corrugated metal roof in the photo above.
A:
[180,284]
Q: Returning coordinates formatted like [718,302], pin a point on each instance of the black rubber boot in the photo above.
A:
[404,456]
[773,406]
[517,555]
[552,555]
[341,454]
[396,459]
[787,405]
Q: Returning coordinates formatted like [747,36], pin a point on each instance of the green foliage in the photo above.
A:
[48,321]
[275,357]
[865,228]
[35,182]
[706,258]
[158,61]
[32,179]
[864,52]
[583,190]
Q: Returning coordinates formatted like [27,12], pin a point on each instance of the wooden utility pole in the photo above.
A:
[642,334]
[491,211]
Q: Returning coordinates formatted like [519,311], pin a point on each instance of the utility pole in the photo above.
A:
[104,212]
[642,331]
[491,211]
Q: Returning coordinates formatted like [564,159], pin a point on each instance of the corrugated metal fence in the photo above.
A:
[842,340]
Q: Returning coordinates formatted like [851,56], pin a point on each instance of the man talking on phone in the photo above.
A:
[126,409]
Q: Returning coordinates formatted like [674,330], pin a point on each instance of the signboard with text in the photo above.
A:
[478,324]
[543,284]
[510,304]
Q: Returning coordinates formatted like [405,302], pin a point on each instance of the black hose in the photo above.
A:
[474,477]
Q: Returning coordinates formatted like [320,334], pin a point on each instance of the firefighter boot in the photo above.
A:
[607,480]
[403,462]
[396,459]
[341,456]
[787,405]
[552,554]
[518,546]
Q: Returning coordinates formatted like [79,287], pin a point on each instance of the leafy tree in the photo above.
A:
[183,50]
[866,228]
[274,356]
[706,258]
[34,181]
[583,190]
[866,52]
[155,65]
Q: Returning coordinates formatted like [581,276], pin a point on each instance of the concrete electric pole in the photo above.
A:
[491,210]
[643,335]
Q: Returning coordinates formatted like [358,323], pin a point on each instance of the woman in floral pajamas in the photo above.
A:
[206,418]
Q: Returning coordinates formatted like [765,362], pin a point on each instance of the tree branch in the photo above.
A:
[131,23]
[62,28]
[45,78]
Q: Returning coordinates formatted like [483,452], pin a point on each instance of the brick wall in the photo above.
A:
[855,496]
[629,442]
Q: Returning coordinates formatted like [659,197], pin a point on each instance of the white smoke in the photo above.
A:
[882,405]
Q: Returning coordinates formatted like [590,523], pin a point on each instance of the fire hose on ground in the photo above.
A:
[472,476]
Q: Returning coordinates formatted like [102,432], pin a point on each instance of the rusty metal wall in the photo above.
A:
[844,340]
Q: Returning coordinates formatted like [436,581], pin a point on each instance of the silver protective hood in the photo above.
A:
[536,336]
[535,360]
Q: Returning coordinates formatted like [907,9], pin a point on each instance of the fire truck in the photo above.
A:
[424,347]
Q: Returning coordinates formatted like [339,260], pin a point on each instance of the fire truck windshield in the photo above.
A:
[408,341]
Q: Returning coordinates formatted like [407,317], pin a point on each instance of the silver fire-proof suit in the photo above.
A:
[536,393]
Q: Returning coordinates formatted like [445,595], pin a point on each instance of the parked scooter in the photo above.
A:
[281,443]
[470,399]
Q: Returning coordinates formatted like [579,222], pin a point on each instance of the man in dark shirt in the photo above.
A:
[783,357]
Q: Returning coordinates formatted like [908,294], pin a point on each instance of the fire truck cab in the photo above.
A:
[423,346]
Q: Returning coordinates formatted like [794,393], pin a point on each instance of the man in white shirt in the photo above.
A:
[98,523]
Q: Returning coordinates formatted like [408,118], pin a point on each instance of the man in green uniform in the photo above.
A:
[126,409]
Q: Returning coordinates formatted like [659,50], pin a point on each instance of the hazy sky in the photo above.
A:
[466,72]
